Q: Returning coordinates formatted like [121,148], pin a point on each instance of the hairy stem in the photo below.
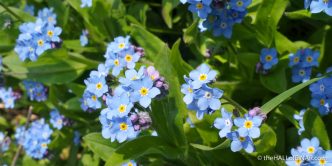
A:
[235,104]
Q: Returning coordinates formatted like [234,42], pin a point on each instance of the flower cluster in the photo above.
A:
[4,142]
[35,139]
[198,95]
[299,119]
[321,93]
[8,97]
[317,6]
[57,120]
[268,59]
[36,91]
[219,16]
[126,104]
[309,153]
[37,37]
[84,38]
[240,130]
[302,62]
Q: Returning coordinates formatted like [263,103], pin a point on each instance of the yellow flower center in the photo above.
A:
[322,161]
[322,101]
[248,124]
[122,108]
[202,77]
[309,59]
[268,58]
[207,95]
[326,1]
[116,62]
[31,49]
[99,86]
[235,14]
[44,145]
[130,164]
[128,58]
[239,3]
[123,126]
[310,149]
[242,139]
[298,161]
[40,42]
[302,72]
[190,90]
[296,59]
[50,33]
[199,5]
[144,91]
[59,121]
[94,98]
[121,45]
[50,19]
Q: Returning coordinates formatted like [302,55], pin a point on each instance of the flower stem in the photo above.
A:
[20,146]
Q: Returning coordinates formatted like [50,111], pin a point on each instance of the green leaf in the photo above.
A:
[142,146]
[268,16]
[267,140]
[54,66]
[315,127]
[99,145]
[289,113]
[306,14]
[276,80]
[167,7]
[273,103]
[223,145]
[181,67]
[190,34]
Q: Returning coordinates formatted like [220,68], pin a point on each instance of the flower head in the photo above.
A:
[202,75]
[224,124]
[144,92]
[268,58]
[248,126]
[239,142]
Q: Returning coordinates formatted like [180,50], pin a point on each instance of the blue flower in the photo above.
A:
[297,158]
[322,103]
[321,5]
[130,57]
[103,71]
[188,90]
[77,137]
[201,8]
[36,139]
[202,75]
[116,63]
[30,9]
[56,119]
[19,134]
[47,15]
[268,58]
[310,147]
[130,163]
[119,106]
[323,159]
[132,75]
[84,38]
[86,3]
[8,98]
[310,58]
[322,87]
[96,85]
[223,26]
[120,43]
[35,90]
[120,129]
[299,118]
[301,74]
[144,92]
[208,98]
[240,5]
[295,59]
[237,16]
[239,143]
[91,100]
[224,124]
[53,33]
[248,126]
[4,142]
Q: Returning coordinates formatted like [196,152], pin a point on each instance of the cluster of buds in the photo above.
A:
[141,120]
